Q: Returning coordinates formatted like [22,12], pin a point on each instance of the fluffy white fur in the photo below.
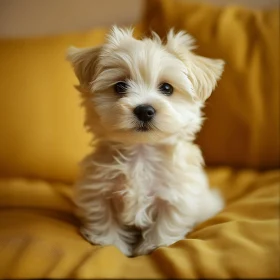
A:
[141,190]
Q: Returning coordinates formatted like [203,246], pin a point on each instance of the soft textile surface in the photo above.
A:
[41,128]
[242,125]
[39,236]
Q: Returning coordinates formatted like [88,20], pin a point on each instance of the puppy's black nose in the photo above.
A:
[144,112]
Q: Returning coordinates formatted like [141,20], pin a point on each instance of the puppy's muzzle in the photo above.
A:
[144,113]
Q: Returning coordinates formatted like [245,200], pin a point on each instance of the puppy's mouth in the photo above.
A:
[143,127]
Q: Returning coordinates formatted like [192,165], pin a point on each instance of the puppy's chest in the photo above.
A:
[141,169]
[137,190]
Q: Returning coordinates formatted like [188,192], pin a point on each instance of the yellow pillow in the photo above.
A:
[242,125]
[41,126]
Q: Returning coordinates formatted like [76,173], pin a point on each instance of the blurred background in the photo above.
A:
[20,18]
[43,120]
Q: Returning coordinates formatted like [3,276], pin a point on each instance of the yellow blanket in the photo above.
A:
[39,235]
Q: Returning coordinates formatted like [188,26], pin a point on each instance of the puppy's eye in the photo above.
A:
[120,87]
[166,88]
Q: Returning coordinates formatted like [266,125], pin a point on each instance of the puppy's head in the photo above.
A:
[144,90]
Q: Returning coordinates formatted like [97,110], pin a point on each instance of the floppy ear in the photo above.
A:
[202,72]
[84,62]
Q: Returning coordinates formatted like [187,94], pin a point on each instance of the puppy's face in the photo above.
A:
[143,90]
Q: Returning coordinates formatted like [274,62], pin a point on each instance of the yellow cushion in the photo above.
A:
[42,133]
[41,126]
[242,125]
[39,236]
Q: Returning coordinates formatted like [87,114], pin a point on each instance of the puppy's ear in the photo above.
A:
[84,63]
[202,72]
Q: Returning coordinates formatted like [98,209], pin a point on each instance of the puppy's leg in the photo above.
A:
[210,204]
[171,225]
[99,224]
[175,220]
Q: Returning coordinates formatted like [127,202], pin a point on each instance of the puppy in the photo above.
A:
[143,186]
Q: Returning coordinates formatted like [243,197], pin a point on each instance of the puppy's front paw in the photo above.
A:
[90,236]
[144,248]
[106,240]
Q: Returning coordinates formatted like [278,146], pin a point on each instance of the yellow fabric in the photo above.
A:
[39,235]
[242,115]
[41,125]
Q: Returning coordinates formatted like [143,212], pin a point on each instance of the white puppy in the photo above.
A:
[144,184]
